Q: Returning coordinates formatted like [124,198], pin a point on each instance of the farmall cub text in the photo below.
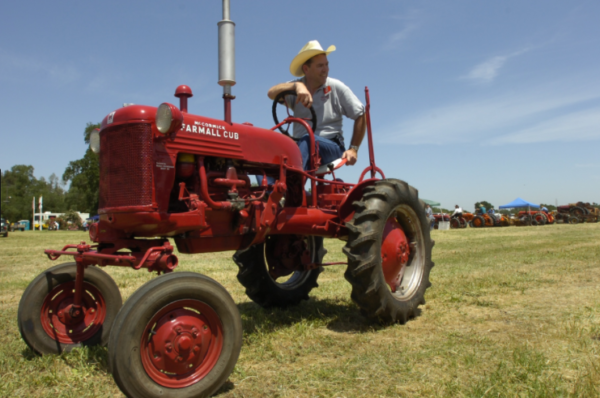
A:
[167,174]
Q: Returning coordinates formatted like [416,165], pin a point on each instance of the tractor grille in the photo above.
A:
[126,160]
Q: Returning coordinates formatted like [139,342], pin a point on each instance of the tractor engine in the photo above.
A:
[190,181]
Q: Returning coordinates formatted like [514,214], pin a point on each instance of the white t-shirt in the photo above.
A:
[331,101]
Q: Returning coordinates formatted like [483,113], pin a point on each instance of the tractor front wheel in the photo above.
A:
[389,252]
[274,272]
[179,335]
[48,321]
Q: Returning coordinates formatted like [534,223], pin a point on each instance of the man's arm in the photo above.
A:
[304,96]
[358,134]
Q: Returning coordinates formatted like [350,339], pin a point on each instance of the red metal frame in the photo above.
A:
[209,204]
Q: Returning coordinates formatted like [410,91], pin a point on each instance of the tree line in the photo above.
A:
[19,186]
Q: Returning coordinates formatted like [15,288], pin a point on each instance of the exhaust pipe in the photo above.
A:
[227,58]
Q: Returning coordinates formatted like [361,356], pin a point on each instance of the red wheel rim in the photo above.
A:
[182,343]
[395,251]
[61,321]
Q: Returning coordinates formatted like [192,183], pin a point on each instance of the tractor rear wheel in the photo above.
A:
[455,223]
[478,222]
[389,252]
[179,335]
[578,212]
[273,272]
[540,218]
[47,320]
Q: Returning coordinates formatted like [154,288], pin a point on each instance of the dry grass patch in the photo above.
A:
[512,312]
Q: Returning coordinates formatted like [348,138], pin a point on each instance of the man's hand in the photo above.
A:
[304,96]
[351,157]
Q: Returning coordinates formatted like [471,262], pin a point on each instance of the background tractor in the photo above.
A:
[168,176]
[541,217]
[437,217]
[584,212]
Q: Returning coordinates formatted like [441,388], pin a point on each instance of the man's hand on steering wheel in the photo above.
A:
[280,99]
[303,94]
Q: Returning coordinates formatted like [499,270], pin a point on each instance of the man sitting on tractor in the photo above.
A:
[330,98]
[458,211]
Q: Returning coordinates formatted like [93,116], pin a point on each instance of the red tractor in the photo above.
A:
[167,175]
[437,217]
[541,217]
[579,212]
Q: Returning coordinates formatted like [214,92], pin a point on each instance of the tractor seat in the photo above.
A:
[329,167]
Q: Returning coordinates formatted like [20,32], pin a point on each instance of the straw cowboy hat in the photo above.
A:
[311,49]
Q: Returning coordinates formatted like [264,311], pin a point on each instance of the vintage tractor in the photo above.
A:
[583,212]
[437,217]
[459,221]
[481,220]
[540,216]
[170,176]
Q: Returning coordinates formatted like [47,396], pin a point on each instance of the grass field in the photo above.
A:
[512,312]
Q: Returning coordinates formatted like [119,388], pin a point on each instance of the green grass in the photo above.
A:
[512,312]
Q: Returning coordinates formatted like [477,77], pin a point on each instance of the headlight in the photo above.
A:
[95,141]
[168,118]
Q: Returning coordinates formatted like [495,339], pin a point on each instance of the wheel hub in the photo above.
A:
[181,343]
[289,253]
[395,252]
[69,324]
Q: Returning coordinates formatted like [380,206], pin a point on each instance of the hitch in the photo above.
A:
[156,258]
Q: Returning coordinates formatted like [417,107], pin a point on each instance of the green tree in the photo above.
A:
[485,204]
[549,207]
[84,175]
[19,186]
[18,183]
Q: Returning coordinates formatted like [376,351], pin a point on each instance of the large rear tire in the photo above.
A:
[389,252]
[268,282]
[45,318]
[540,218]
[179,335]
[455,223]
[478,222]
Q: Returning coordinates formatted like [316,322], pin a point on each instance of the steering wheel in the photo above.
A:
[279,99]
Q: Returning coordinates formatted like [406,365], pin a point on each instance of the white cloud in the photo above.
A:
[410,21]
[524,116]
[575,126]
[487,71]
[14,64]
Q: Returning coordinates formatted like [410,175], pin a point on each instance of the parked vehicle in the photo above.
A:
[584,212]
[437,217]
[3,227]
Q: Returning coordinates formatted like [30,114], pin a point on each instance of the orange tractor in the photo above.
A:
[541,217]
[486,220]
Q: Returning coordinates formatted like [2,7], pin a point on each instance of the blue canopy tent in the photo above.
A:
[518,202]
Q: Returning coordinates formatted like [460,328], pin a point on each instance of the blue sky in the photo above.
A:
[471,100]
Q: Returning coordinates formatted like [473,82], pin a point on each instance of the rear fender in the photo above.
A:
[346,210]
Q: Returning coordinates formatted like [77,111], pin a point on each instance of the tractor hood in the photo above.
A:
[200,135]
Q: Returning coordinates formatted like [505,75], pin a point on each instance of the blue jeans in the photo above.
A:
[328,150]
